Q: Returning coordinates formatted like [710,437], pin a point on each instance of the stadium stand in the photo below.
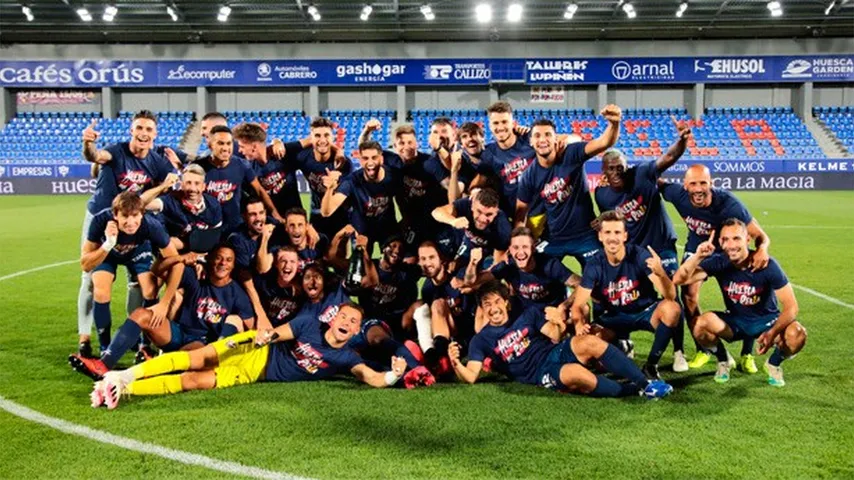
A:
[722,133]
[840,122]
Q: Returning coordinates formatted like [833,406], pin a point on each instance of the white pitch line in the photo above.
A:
[70,428]
[816,293]
[43,267]
[137,446]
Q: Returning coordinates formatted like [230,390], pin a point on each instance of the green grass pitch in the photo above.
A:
[340,429]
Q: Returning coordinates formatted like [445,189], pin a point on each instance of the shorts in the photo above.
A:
[743,328]
[580,249]
[549,371]
[359,341]
[629,322]
[181,337]
[669,261]
[139,261]
[240,361]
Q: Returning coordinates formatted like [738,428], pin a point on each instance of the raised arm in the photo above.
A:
[331,200]
[677,149]
[263,258]
[762,243]
[447,214]
[370,127]
[151,194]
[90,150]
[659,277]
[690,272]
[608,139]
[576,311]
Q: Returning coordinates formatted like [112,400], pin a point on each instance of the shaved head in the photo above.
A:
[698,183]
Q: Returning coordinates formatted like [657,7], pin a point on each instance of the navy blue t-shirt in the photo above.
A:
[495,236]
[461,305]
[625,288]
[308,356]
[280,303]
[325,310]
[437,170]
[372,202]
[181,217]
[396,291]
[701,221]
[205,306]
[647,222]
[563,190]
[747,294]
[278,178]
[245,248]
[421,192]
[226,186]
[544,286]
[314,172]
[150,232]
[517,349]
[508,165]
[125,172]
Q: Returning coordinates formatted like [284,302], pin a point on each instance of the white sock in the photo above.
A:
[423,327]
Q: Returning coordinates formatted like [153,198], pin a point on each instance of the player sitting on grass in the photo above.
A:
[301,350]
[750,297]
[524,349]
[626,280]
[212,308]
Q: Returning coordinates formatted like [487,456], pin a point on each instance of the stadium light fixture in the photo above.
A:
[84,14]
[366,12]
[110,12]
[775,8]
[172,13]
[427,11]
[630,10]
[829,7]
[224,12]
[570,11]
[28,13]
[682,7]
[483,13]
[314,12]
[514,13]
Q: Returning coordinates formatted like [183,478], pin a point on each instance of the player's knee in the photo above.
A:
[671,312]
[588,346]
[140,316]
[376,335]
[439,308]
[796,336]
[197,380]
[102,293]
[577,379]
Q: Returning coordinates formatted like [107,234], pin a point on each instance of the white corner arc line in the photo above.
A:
[138,446]
[816,293]
[186,458]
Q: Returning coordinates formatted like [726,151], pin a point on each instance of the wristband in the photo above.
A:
[108,244]
[391,378]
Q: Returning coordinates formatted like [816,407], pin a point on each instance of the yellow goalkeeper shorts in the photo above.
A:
[240,361]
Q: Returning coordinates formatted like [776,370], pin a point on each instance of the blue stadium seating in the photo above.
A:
[840,120]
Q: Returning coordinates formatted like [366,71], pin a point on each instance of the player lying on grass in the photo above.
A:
[625,280]
[301,350]
[212,308]
[529,349]
[751,299]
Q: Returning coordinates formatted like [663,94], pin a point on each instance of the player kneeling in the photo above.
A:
[301,350]
[750,297]
[525,351]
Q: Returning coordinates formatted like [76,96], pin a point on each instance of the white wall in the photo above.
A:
[446,98]
[159,100]
[831,95]
[258,99]
[750,96]
[576,97]
[358,98]
[649,96]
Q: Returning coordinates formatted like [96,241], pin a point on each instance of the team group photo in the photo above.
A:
[557,258]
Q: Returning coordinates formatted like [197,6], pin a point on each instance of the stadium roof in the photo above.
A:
[147,21]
